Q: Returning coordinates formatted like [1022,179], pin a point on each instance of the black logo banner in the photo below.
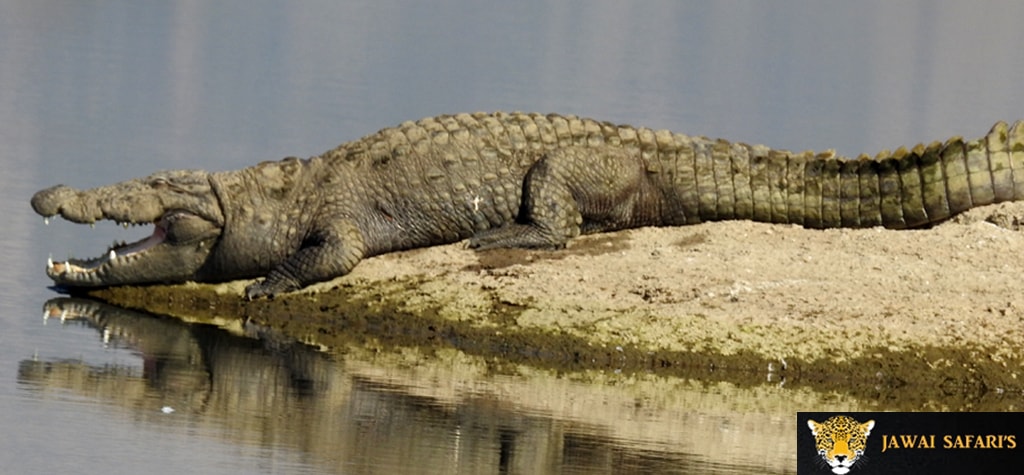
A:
[857,443]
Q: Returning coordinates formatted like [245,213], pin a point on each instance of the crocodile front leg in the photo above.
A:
[325,254]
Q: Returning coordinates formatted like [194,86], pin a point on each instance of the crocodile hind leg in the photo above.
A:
[571,191]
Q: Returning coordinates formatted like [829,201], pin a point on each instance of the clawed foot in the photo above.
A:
[257,290]
[268,288]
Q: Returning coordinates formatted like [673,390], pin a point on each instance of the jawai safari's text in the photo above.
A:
[948,441]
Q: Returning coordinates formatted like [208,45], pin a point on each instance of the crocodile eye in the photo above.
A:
[161,183]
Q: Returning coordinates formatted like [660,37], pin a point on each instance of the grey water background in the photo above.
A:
[93,92]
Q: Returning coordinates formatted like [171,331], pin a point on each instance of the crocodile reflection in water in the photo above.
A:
[296,397]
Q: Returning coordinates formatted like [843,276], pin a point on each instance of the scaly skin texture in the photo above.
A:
[507,180]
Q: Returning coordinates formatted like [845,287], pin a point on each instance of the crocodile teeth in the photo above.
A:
[48,314]
[49,262]
[112,255]
[46,221]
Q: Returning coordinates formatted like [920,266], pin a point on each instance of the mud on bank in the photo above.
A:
[909,316]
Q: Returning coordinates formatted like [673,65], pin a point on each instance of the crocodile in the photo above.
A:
[505,180]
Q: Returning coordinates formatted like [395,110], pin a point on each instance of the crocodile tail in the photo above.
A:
[900,189]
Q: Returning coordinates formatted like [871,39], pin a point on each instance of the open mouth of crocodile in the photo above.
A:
[177,247]
[118,253]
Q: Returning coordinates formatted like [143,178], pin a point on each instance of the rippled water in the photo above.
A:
[97,92]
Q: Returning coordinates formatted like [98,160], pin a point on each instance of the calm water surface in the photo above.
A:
[97,92]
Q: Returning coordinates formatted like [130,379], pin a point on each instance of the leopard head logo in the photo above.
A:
[840,441]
